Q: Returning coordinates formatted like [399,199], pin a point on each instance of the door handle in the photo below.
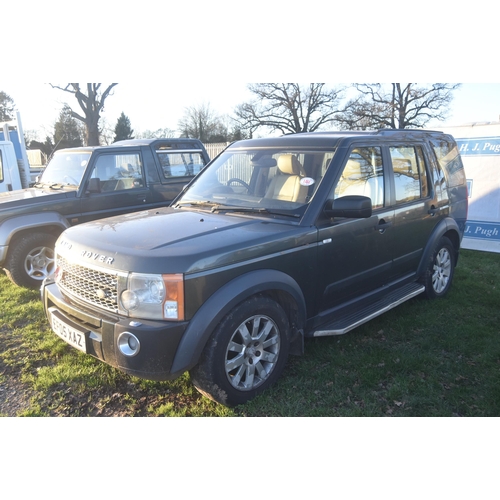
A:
[433,211]
[383,225]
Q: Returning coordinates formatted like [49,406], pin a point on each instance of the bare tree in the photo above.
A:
[289,107]
[161,133]
[91,103]
[397,105]
[200,122]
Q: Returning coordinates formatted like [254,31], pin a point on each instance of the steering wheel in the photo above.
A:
[239,181]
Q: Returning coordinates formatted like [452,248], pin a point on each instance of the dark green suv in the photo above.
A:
[87,183]
[277,240]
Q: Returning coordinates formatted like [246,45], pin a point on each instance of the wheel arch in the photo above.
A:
[275,284]
[12,229]
[447,227]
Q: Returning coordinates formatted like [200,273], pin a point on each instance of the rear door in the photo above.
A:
[416,208]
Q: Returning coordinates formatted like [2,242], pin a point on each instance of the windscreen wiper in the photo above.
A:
[258,210]
[217,207]
[195,204]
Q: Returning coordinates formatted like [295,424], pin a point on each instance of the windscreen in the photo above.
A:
[66,169]
[260,179]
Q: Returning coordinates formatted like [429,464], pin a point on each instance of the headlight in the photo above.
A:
[154,296]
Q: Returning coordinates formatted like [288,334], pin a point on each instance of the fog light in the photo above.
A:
[129,344]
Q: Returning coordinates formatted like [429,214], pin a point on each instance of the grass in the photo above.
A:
[425,358]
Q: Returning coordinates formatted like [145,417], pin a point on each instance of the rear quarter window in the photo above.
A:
[181,163]
[449,160]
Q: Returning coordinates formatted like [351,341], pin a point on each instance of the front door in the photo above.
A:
[355,255]
[119,187]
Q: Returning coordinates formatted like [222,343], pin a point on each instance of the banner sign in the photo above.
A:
[479,146]
[482,230]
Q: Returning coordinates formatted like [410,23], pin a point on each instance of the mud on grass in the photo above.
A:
[40,375]
[78,386]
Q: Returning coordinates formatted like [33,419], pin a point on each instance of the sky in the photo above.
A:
[173,65]
[151,106]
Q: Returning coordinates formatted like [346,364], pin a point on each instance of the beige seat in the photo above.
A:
[286,185]
[354,182]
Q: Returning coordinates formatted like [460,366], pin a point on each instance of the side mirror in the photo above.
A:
[351,207]
[94,185]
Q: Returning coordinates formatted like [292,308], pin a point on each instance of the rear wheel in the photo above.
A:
[439,274]
[246,354]
[31,259]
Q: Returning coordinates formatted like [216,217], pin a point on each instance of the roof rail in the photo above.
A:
[389,131]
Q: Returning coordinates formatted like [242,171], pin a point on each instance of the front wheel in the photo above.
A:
[246,354]
[31,259]
[439,274]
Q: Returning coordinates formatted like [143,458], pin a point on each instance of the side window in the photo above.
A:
[1,167]
[363,175]
[117,172]
[410,176]
[180,163]
[449,161]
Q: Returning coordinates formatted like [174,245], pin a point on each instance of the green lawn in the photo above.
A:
[424,358]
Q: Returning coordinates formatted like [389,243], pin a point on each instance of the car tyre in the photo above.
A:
[246,353]
[439,274]
[31,260]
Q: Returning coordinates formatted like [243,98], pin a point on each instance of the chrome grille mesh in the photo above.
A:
[90,285]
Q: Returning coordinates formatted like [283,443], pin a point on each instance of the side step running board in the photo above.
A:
[350,321]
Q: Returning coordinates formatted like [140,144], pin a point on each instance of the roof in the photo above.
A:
[162,141]
[137,142]
[331,138]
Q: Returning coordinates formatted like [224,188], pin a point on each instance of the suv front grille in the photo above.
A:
[90,285]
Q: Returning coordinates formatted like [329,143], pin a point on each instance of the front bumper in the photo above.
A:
[159,340]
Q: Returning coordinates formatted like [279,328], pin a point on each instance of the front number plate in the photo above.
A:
[70,333]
